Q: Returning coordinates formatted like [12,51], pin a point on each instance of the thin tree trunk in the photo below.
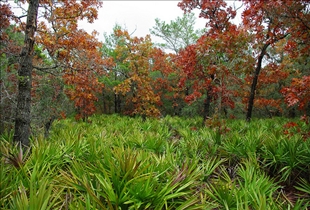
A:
[104,103]
[23,115]
[119,104]
[207,103]
[115,103]
[48,125]
[254,83]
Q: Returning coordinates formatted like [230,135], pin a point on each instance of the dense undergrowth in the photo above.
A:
[114,162]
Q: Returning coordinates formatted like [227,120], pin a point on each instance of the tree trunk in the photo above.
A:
[48,125]
[117,103]
[254,83]
[105,103]
[206,107]
[23,116]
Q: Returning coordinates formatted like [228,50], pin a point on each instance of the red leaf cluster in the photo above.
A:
[298,92]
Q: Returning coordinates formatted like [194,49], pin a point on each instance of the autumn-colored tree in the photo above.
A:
[296,51]
[7,41]
[263,19]
[81,78]
[217,13]
[274,75]
[137,87]
[214,63]
[176,35]
[61,39]
[166,75]
[287,43]
[298,93]
[212,66]
[266,21]
[268,98]
[74,52]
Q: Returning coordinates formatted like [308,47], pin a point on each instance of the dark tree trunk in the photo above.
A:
[207,102]
[117,103]
[103,103]
[48,125]
[206,105]
[23,116]
[254,82]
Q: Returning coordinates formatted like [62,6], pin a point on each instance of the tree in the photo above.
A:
[265,35]
[213,66]
[178,33]
[117,71]
[215,61]
[58,34]
[166,75]
[23,117]
[10,45]
[298,93]
[266,21]
[81,77]
[217,14]
[74,52]
[137,87]
[296,53]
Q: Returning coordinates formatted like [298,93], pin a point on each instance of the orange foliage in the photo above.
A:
[75,53]
[137,87]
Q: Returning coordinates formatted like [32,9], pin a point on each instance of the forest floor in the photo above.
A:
[117,162]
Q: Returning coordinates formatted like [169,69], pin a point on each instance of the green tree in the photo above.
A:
[117,69]
[10,45]
[177,34]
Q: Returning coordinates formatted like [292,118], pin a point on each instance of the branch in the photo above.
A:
[7,94]
[18,17]
[236,9]
[46,69]
[281,37]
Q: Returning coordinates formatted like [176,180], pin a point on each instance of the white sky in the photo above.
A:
[136,16]
[139,16]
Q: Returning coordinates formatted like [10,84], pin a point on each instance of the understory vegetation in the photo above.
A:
[119,162]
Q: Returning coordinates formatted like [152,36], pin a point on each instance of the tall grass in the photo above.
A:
[115,162]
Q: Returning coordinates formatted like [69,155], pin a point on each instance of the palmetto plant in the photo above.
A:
[304,187]
[31,185]
[37,191]
[114,162]
[222,190]
[285,158]
[17,156]
[256,189]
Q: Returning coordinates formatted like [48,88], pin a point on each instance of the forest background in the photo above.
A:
[177,124]
[259,68]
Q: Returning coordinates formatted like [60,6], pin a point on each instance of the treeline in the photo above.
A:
[259,68]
